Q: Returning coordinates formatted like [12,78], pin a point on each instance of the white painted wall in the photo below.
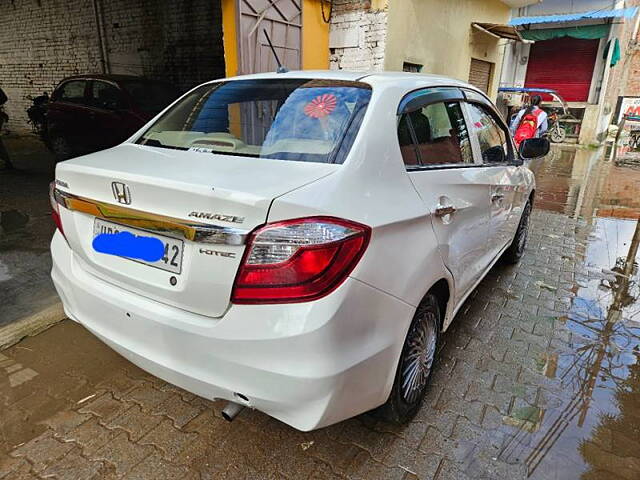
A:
[515,64]
[598,72]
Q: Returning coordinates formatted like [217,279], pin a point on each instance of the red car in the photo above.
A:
[87,113]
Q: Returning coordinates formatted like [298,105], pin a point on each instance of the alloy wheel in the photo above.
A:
[418,361]
[523,230]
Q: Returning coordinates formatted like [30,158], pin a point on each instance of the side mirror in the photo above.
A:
[533,148]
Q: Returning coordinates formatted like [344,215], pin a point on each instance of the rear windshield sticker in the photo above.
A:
[321,106]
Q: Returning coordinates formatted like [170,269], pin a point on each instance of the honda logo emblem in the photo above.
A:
[121,192]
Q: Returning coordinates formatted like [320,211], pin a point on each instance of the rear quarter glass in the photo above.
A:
[291,119]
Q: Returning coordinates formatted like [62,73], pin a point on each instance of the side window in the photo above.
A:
[438,133]
[106,95]
[491,137]
[72,92]
[405,138]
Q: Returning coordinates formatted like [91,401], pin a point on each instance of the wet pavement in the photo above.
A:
[25,231]
[538,377]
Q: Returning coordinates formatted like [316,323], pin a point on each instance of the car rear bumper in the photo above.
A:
[308,365]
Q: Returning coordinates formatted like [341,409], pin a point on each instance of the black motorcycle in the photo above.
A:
[37,113]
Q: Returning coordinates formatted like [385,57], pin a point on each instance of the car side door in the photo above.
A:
[108,116]
[501,170]
[68,111]
[437,152]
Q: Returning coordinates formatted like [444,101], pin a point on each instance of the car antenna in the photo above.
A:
[280,69]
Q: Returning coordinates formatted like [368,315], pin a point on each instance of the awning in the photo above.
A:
[498,30]
[572,17]
[527,90]
[585,32]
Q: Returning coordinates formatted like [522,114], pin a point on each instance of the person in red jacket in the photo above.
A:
[530,122]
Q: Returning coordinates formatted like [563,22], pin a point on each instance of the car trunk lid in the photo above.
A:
[198,204]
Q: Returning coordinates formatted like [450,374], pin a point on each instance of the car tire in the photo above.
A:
[61,148]
[514,253]
[415,365]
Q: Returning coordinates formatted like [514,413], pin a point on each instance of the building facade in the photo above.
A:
[191,41]
[42,42]
[632,77]
[629,99]
[464,39]
[450,45]
[297,29]
[581,50]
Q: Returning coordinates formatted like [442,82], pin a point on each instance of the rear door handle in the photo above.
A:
[442,210]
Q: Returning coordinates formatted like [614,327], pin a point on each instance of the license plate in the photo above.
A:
[171,261]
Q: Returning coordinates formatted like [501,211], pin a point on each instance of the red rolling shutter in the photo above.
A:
[563,64]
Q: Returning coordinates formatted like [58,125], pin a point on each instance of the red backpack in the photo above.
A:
[527,127]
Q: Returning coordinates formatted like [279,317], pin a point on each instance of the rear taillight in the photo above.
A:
[299,260]
[55,207]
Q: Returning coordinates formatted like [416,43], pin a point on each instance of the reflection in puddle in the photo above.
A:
[590,426]
[548,365]
[583,184]
[525,418]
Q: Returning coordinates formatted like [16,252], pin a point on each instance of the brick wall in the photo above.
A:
[621,75]
[357,35]
[44,41]
[632,88]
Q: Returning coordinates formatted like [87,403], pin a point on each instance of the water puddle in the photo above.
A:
[589,423]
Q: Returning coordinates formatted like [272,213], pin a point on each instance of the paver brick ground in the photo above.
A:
[537,377]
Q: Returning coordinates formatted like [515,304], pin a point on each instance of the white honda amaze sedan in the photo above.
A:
[294,243]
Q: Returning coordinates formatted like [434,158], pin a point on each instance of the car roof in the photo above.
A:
[111,77]
[372,78]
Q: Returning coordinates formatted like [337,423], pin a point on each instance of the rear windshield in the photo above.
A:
[288,119]
[151,97]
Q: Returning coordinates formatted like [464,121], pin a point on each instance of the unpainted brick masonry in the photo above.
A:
[633,76]
[44,41]
[358,34]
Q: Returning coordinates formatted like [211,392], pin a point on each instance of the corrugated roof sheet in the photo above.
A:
[572,17]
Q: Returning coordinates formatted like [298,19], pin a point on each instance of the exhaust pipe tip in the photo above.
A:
[231,411]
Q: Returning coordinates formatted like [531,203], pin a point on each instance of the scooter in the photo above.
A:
[556,133]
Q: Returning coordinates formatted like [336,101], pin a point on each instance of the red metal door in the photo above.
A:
[563,64]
